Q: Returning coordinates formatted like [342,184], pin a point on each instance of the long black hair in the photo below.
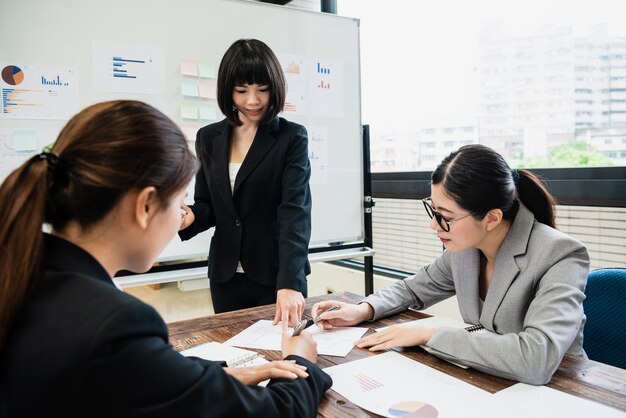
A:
[250,61]
[479,180]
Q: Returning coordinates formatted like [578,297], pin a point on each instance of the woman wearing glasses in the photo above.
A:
[513,273]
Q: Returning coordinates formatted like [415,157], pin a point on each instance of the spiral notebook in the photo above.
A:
[233,356]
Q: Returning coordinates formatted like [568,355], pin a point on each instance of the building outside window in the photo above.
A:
[542,82]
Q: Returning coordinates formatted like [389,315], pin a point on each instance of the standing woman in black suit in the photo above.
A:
[253,187]
[71,343]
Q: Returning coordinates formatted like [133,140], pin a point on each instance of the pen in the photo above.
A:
[305,323]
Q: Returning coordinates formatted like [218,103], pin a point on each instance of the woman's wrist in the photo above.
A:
[366,311]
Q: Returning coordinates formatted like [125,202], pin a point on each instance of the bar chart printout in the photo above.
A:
[392,385]
[38,91]
[128,68]
[326,88]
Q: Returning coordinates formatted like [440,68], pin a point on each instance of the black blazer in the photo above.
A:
[83,348]
[266,222]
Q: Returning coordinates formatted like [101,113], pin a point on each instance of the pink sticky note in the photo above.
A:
[189,131]
[207,89]
[189,67]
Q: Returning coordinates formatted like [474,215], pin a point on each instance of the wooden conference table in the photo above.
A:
[579,377]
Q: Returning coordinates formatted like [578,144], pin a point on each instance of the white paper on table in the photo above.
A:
[265,336]
[522,400]
[393,385]
[437,322]
[233,356]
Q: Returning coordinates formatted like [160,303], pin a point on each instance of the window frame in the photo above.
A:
[581,186]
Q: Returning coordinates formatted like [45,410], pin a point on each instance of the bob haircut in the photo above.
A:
[250,61]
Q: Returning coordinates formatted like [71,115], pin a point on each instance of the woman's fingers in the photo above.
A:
[376,338]
[320,307]
[287,368]
[293,315]
[300,308]
[383,346]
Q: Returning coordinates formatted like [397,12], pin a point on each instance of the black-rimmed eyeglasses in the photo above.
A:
[442,221]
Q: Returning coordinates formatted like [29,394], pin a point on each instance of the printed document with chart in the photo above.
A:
[392,385]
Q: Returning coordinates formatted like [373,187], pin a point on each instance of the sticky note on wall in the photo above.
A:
[189,131]
[206,70]
[25,141]
[189,111]
[189,88]
[208,112]
[207,89]
[189,67]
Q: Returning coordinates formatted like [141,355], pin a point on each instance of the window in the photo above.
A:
[493,72]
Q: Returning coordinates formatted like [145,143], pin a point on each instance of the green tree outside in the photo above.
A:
[571,154]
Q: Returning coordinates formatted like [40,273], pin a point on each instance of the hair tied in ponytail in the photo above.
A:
[51,158]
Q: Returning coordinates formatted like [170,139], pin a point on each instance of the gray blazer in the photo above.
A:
[533,311]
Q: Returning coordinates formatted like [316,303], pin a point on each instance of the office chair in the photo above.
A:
[605,307]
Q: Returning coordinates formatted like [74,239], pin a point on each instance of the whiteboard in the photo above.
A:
[65,47]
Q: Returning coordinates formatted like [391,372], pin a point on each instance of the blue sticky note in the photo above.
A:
[189,88]
[207,112]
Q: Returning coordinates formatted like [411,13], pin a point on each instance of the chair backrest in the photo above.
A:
[605,307]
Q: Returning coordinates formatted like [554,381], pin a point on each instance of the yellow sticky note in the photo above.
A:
[189,110]
[25,141]
[189,67]
[208,112]
[206,70]
[207,89]
[189,88]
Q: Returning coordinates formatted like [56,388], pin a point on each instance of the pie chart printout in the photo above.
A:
[413,409]
[12,75]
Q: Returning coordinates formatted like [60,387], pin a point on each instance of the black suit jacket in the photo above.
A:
[266,221]
[83,348]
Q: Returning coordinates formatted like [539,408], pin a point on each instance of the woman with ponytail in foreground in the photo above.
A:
[513,274]
[72,344]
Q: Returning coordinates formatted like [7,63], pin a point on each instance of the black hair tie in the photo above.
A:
[51,158]
[516,176]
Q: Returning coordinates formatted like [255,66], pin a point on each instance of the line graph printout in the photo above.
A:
[265,336]
[295,68]
[392,385]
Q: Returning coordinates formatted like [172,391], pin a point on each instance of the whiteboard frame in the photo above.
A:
[48,24]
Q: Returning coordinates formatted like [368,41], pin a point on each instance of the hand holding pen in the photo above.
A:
[344,314]
[305,323]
